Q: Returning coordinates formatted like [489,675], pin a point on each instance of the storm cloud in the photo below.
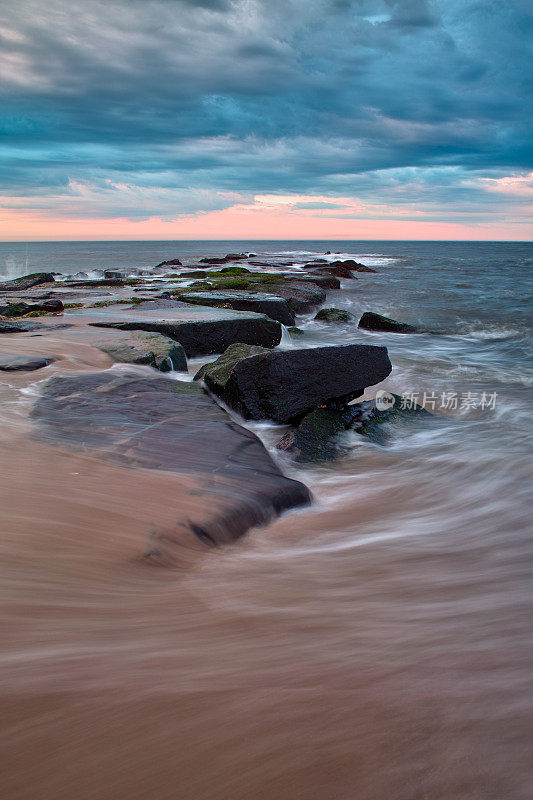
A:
[137,108]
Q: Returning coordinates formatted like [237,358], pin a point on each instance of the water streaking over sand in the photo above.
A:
[375,645]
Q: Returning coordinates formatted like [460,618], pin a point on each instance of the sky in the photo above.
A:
[287,119]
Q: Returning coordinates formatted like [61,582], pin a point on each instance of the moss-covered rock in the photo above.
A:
[217,372]
[334,315]
[378,424]
[316,437]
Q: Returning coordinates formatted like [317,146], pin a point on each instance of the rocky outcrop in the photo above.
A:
[174,262]
[334,315]
[21,309]
[376,322]
[225,259]
[11,362]
[270,305]
[301,297]
[230,482]
[324,281]
[26,282]
[153,349]
[284,384]
[201,330]
[338,272]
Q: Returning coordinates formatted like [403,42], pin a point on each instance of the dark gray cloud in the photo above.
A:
[245,96]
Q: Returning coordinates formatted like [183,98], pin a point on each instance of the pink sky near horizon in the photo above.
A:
[242,221]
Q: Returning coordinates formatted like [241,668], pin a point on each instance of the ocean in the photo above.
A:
[374,645]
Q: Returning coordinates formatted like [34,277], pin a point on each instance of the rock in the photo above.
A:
[11,362]
[285,384]
[316,437]
[22,309]
[296,331]
[153,349]
[353,266]
[227,272]
[334,315]
[229,483]
[25,326]
[201,330]
[340,272]
[376,423]
[26,282]
[324,281]
[219,370]
[174,262]
[301,297]
[274,307]
[224,259]
[376,322]
[113,273]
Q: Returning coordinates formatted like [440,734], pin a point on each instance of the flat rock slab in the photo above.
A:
[11,362]
[143,347]
[284,384]
[274,307]
[25,326]
[162,424]
[200,330]
[26,282]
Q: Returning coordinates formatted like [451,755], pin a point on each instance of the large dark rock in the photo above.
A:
[334,315]
[229,483]
[21,309]
[201,330]
[338,271]
[284,384]
[26,282]
[140,347]
[11,362]
[274,307]
[353,266]
[174,262]
[225,259]
[376,322]
[324,281]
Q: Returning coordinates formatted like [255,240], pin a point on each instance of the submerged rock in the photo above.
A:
[316,437]
[153,349]
[12,362]
[371,321]
[334,315]
[229,483]
[273,307]
[376,423]
[285,384]
[26,282]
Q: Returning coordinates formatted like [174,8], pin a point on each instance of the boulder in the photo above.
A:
[174,262]
[22,309]
[219,370]
[338,271]
[226,482]
[324,281]
[26,282]
[376,322]
[334,315]
[353,266]
[270,305]
[153,349]
[285,384]
[224,259]
[301,297]
[201,330]
[11,362]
